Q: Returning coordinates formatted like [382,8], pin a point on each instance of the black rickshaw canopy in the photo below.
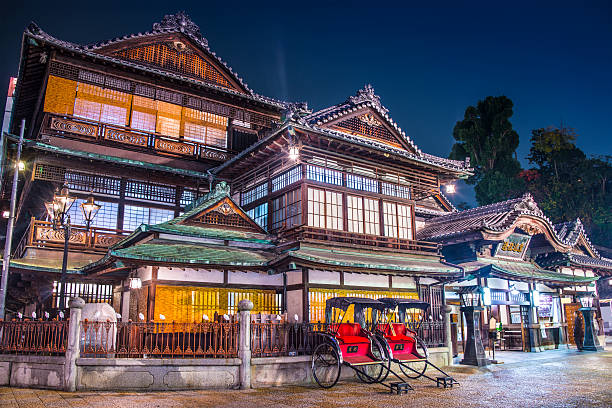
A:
[360,305]
[392,303]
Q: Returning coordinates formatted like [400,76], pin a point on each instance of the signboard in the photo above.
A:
[513,247]
[546,305]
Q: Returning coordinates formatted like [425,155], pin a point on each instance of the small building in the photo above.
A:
[511,250]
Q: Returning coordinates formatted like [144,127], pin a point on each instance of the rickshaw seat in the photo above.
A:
[350,333]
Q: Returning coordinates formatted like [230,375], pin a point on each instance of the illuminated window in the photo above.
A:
[287,178]
[395,190]
[168,119]
[333,210]
[195,132]
[398,220]
[316,207]
[259,214]
[253,194]
[287,210]
[354,206]
[324,175]
[133,216]
[371,216]
[105,218]
[361,183]
[114,115]
[87,109]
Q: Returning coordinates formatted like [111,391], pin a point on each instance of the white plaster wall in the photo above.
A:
[324,277]
[567,271]
[496,283]
[520,285]
[294,277]
[368,280]
[428,281]
[190,275]
[403,282]
[254,278]
[470,282]
[144,273]
[295,304]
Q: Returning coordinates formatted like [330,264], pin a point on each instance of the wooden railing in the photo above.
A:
[305,233]
[41,234]
[113,135]
[34,337]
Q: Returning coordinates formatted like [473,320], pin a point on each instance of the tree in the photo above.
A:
[569,185]
[486,136]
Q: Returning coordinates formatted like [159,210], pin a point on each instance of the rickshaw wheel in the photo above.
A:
[419,367]
[326,365]
[376,372]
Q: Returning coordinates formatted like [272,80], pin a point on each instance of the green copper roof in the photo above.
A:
[111,159]
[347,257]
[193,254]
[203,232]
[44,265]
[520,270]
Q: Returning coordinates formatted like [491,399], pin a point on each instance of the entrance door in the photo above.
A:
[570,310]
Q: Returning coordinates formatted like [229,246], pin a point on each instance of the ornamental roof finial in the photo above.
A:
[366,94]
[180,22]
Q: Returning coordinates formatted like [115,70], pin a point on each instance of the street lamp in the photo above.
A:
[471,306]
[590,342]
[58,209]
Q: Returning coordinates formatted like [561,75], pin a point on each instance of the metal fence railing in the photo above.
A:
[159,340]
[273,339]
[42,337]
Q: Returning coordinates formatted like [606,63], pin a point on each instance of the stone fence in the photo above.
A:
[73,371]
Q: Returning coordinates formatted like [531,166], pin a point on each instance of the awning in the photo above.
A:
[520,270]
[374,260]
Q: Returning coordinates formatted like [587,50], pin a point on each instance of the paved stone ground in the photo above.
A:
[567,379]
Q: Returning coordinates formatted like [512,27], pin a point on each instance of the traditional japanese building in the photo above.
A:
[530,269]
[137,122]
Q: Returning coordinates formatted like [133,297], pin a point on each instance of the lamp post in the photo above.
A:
[58,210]
[471,306]
[590,342]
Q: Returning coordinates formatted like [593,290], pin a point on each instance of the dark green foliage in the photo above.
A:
[486,136]
[569,185]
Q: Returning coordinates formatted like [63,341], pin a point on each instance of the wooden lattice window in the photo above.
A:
[229,220]
[367,125]
[184,62]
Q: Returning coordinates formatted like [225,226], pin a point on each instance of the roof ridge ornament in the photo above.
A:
[367,94]
[296,111]
[528,204]
[180,22]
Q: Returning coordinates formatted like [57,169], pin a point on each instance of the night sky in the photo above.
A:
[428,63]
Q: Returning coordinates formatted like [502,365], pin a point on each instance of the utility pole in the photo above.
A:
[9,228]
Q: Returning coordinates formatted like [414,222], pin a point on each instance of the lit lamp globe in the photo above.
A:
[294,152]
[90,210]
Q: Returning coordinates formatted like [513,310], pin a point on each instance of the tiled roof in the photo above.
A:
[365,98]
[109,159]
[558,258]
[484,267]
[174,23]
[197,254]
[45,264]
[570,232]
[374,260]
[497,217]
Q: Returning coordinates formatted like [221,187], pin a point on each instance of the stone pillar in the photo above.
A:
[73,347]
[244,343]
[447,330]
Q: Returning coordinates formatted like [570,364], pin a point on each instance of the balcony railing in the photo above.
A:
[117,135]
[305,233]
[41,234]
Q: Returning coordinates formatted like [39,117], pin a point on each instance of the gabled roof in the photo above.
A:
[573,233]
[178,23]
[363,101]
[496,217]
[567,259]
